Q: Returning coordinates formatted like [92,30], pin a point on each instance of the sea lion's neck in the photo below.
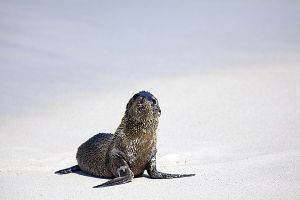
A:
[138,127]
[131,127]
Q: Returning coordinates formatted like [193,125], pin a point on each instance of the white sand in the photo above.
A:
[227,77]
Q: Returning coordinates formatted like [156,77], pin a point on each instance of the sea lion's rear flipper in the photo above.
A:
[153,173]
[72,169]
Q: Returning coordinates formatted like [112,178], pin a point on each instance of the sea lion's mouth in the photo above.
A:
[147,111]
[141,106]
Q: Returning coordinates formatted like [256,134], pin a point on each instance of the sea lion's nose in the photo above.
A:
[143,99]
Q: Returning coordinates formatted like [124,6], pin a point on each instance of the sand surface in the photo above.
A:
[226,75]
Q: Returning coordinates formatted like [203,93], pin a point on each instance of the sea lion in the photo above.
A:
[130,151]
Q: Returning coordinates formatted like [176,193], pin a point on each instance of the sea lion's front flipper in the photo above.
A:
[153,173]
[120,169]
[160,175]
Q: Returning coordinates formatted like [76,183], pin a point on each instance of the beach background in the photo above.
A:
[226,74]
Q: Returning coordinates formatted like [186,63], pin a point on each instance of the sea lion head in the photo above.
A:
[143,106]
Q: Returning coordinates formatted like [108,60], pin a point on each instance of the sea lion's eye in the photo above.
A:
[154,101]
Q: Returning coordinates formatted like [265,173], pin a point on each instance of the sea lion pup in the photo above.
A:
[128,152]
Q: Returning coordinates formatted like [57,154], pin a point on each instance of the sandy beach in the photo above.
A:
[226,75]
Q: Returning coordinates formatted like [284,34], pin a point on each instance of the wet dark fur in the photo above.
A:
[128,152]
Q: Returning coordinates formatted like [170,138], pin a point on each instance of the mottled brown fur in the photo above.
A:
[128,152]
